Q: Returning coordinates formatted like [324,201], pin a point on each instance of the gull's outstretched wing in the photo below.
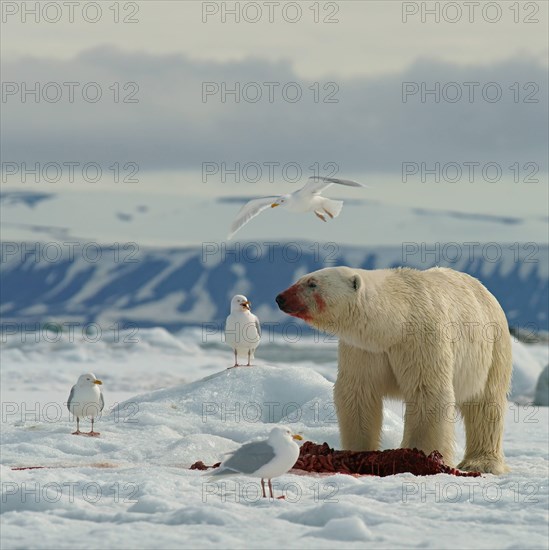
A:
[317,184]
[250,210]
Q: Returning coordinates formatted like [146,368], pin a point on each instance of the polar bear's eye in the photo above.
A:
[312,284]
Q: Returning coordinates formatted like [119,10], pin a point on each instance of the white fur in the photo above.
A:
[436,339]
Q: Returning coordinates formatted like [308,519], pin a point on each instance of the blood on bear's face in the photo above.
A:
[302,300]
[323,298]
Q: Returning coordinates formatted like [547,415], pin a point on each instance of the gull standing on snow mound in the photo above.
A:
[306,199]
[266,459]
[242,329]
[86,401]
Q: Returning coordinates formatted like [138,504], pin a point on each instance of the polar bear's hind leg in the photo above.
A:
[484,416]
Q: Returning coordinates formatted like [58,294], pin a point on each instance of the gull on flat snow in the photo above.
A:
[86,401]
[242,329]
[265,459]
[306,199]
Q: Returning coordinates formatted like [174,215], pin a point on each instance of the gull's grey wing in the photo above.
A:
[258,326]
[247,459]
[71,396]
[250,210]
[101,401]
[317,184]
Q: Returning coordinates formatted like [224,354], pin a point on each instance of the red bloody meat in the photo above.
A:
[323,459]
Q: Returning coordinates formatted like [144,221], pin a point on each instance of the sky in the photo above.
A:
[321,39]
[412,91]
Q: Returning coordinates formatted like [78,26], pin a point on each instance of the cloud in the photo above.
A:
[172,126]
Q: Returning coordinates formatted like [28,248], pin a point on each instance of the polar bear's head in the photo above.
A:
[323,298]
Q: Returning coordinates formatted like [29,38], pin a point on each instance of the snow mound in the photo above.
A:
[320,516]
[240,404]
[348,529]
[528,363]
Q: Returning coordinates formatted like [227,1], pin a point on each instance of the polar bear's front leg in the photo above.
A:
[424,374]
[429,424]
[362,380]
[359,423]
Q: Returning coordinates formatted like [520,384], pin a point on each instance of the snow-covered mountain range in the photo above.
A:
[71,269]
[177,287]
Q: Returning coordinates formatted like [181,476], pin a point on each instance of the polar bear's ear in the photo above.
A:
[356,281]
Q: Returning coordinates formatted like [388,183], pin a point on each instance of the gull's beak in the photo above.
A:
[274,204]
[247,304]
[297,436]
[98,382]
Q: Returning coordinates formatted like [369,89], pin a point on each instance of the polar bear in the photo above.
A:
[436,339]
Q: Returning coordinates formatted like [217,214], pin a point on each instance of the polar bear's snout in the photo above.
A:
[290,301]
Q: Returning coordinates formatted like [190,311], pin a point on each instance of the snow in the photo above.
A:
[171,401]
[529,361]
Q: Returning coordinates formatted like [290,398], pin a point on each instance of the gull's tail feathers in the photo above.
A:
[221,472]
[332,208]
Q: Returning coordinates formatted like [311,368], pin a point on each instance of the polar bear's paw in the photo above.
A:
[484,464]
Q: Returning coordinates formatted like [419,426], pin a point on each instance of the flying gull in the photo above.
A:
[307,199]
